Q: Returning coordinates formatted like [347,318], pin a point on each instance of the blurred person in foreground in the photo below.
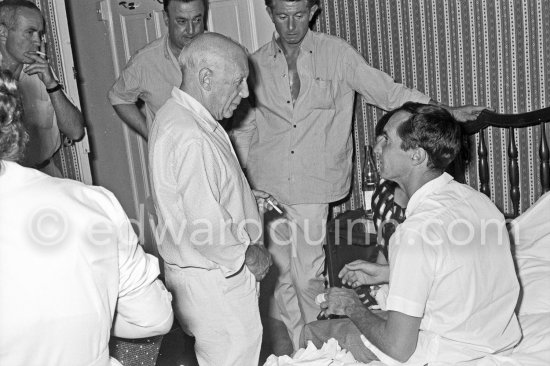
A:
[209,225]
[71,270]
[48,113]
[452,283]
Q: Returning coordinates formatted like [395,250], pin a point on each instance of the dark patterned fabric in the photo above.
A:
[386,213]
[135,352]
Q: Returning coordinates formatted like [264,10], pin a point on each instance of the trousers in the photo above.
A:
[221,313]
[295,242]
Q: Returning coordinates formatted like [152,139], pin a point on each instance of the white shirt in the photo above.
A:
[451,265]
[207,213]
[68,258]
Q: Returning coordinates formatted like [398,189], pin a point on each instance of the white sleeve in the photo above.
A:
[144,305]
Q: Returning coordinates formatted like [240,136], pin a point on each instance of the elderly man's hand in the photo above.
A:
[359,272]
[258,260]
[340,301]
[466,113]
[266,201]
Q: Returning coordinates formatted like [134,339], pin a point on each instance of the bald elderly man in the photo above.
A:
[212,229]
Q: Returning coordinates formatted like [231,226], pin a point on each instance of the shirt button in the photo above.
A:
[292,152]
[294,126]
[284,75]
[288,101]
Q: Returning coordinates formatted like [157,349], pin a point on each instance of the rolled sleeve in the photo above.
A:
[377,87]
[127,88]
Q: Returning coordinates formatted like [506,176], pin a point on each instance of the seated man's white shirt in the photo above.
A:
[451,265]
[68,259]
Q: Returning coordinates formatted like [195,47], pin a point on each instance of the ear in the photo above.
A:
[312,11]
[205,79]
[419,156]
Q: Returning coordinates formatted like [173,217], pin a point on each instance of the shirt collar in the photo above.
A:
[306,45]
[420,195]
[190,103]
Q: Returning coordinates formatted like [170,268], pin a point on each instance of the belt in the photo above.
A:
[45,163]
[236,273]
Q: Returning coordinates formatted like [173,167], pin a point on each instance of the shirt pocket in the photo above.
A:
[321,94]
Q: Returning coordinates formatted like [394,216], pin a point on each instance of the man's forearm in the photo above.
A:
[380,334]
[132,116]
[69,118]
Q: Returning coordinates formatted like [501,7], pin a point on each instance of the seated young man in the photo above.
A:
[452,284]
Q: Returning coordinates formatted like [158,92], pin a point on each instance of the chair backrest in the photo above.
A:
[512,122]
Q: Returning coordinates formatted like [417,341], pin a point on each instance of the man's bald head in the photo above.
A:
[210,50]
[215,69]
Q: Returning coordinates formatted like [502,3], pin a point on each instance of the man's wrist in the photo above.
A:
[55,88]
[355,310]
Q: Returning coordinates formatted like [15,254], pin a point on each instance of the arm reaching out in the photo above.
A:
[359,272]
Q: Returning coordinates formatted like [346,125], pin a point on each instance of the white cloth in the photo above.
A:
[221,313]
[330,354]
[451,265]
[209,216]
[530,233]
[150,76]
[68,258]
[296,245]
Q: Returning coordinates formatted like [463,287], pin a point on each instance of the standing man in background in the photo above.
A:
[47,111]
[296,143]
[211,245]
[153,71]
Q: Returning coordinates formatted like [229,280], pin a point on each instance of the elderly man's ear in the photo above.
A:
[205,78]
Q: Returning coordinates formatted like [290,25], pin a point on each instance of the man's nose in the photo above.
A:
[36,39]
[378,147]
[190,28]
[244,90]
[291,24]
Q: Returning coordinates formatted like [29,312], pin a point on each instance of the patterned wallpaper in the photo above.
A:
[487,52]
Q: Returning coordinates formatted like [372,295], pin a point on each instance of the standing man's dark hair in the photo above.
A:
[310,3]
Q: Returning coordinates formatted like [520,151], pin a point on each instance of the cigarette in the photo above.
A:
[40,53]
[274,206]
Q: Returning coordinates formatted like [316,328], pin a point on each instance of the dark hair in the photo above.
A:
[9,8]
[310,3]
[12,133]
[430,127]
[204,3]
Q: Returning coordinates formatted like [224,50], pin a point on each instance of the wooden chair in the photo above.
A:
[511,122]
